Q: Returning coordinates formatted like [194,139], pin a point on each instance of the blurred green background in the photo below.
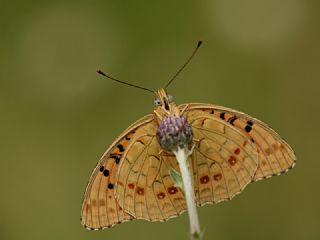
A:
[58,116]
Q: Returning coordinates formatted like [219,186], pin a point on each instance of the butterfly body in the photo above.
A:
[132,180]
[164,106]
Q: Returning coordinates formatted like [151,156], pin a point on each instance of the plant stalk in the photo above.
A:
[182,155]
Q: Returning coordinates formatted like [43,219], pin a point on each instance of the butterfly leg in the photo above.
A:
[184,109]
[165,153]
[196,142]
[192,148]
[196,146]
[158,115]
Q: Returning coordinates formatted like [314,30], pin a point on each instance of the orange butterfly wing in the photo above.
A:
[100,208]
[223,161]
[274,154]
[144,187]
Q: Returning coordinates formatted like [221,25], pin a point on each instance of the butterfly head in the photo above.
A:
[164,104]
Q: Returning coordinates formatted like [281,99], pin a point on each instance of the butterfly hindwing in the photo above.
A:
[223,161]
[100,208]
[274,154]
[144,187]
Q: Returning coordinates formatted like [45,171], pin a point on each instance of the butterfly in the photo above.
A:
[132,180]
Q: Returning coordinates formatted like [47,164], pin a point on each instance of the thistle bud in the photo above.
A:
[174,132]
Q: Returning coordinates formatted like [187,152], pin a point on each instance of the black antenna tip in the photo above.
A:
[199,44]
[101,73]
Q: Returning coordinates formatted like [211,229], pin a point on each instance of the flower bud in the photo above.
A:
[174,132]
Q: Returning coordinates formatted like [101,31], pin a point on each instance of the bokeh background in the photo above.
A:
[58,116]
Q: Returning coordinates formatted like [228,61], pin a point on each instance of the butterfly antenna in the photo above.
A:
[129,84]
[185,64]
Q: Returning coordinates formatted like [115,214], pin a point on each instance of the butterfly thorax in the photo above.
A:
[164,105]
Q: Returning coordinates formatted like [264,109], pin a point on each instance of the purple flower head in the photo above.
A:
[174,132]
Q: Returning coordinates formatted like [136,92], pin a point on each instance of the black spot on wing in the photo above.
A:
[120,147]
[116,158]
[248,128]
[106,172]
[232,119]
[250,123]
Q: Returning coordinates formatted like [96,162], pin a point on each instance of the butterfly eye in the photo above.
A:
[170,98]
[157,102]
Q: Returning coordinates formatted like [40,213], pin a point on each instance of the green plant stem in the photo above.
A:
[182,155]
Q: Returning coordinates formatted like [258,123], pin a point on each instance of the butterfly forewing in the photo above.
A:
[100,208]
[144,188]
[274,154]
[224,161]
